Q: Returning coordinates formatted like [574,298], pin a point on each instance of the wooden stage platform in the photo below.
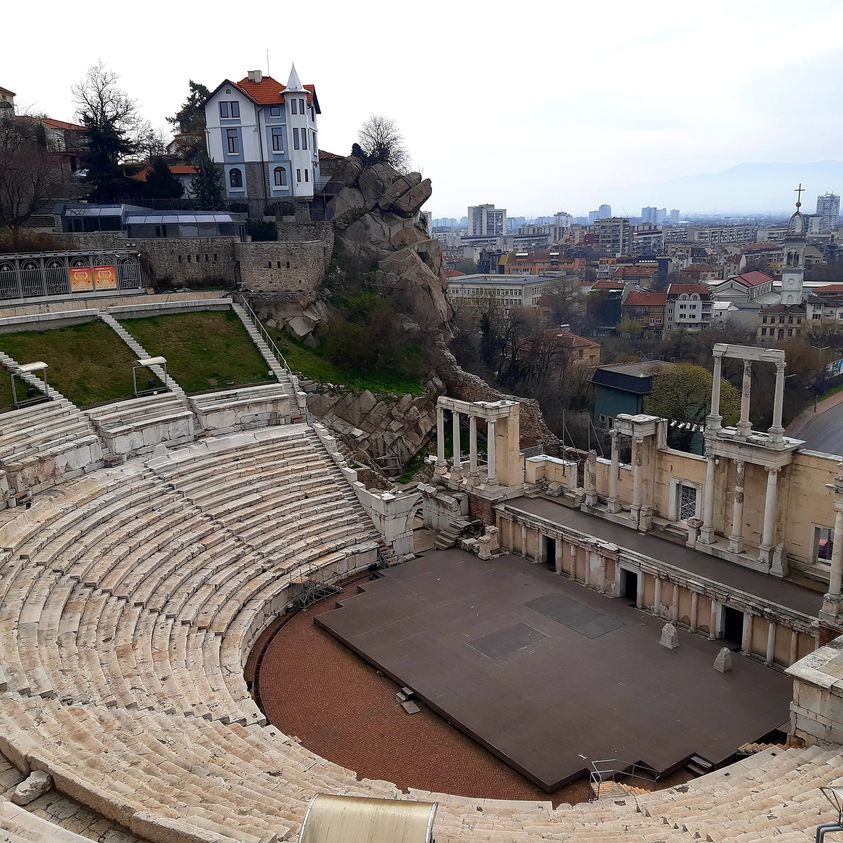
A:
[550,675]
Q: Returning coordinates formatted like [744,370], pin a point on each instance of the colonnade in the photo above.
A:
[457,461]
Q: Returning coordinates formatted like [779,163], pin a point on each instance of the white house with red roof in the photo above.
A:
[7,102]
[264,135]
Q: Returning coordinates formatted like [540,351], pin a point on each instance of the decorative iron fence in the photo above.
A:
[43,274]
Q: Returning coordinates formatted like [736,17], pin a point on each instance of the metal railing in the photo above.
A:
[607,769]
[276,352]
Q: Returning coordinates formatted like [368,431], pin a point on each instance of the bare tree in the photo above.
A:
[381,141]
[101,103]
[29,171]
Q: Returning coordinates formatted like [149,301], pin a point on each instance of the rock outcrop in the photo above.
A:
[390,431]
[376,220]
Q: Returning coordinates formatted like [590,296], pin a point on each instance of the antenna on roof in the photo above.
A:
[267,62]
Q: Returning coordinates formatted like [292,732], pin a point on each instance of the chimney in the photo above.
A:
[255,76]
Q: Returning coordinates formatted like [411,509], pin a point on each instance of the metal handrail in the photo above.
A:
[264,333]
[627,769]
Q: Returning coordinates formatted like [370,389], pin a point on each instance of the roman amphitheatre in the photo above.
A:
[207,620]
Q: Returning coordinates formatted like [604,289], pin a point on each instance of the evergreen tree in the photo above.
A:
[206,185]
[161,183]
[189,122]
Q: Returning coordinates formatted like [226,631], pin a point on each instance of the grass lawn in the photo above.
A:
[205,351]
[311,364]
[88,363]
[5,391]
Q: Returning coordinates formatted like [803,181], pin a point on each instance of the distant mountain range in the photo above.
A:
[746,188]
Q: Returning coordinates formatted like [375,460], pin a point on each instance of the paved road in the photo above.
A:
[825,431]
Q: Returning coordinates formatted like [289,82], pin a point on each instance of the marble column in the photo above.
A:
[771,642]
[674,604]
[456,437]
[440,438]
[707,529]
[794,646]
[746,638]
[695,608]
[614,501]
[736,537]
[657,597]
[832,599]
[744,426]
[524,541]
[472,446]
[777,431]
[637,478]
[591,479]
[714,418]
[491,467]
[639,591]
[712,621]
[768,532]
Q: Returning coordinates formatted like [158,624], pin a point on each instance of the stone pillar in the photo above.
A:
[639,591]
[637,478]
[712,622]
[695,608]
[591,479]
[832,599]
[657,597]
[777,431]
[440,440]
[714,418]
[456,437]
[558,562]
[573,556]
[769,530]
[771,643]
[794,646]
[674,604]
[472,446]
[614,501]
[524,541]
[491,468]
[707,531]
[746,638]
[744,426]
[736,537]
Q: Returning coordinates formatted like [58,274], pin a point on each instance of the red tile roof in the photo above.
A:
[753,278]
[828,289]
[269,91]
[453,273]
[635,272]
[61,124]
[607,284]
[571,340]
[645,298]
[175,169]
[324,155]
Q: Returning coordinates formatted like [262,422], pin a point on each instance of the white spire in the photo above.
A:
[294,83]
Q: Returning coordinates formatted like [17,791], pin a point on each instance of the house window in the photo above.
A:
[295,138]
[313,141]
[823,545]
[233,141]
[301,106]
[306,175]
[304,138]
[279,175]
[298,175]
[275,111]
[294,106]
[277,140]
[224,109]
[235,177]
[686,501]
[235,109]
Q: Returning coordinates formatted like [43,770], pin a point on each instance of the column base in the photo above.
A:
[635,514]
[645,519]
[441,468]
[706,535]
[735,544]
[765,554]
[743,429]
[776,435]
[591,499]
[613,505]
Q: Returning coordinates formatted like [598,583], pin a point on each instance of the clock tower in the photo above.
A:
[793,251]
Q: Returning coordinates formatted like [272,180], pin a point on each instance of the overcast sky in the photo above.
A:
[536,107]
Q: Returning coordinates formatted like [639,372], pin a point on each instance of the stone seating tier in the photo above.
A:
[129,601]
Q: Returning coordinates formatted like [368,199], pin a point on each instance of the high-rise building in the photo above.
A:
[613,235]
[563,219]
[828,210]
[604,212]
[648,214]
[673,216]
[486,221]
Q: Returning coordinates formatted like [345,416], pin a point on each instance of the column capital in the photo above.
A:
[781,365]
[772,469]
